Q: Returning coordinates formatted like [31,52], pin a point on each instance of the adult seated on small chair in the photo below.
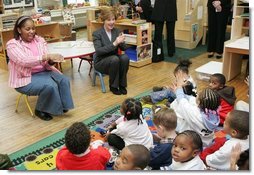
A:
[107,40]
[32,72]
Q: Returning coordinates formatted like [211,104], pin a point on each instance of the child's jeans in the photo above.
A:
[161,95]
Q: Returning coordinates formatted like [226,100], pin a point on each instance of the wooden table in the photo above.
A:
[232,56]
[74,49]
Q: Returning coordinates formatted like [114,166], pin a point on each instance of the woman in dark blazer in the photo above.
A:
[164,10]
[107,40]
[218,13]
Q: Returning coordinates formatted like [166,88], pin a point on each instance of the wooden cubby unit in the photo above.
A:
[240,23]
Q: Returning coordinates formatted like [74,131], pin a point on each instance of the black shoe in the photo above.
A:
[43,115]
[218,56]
[210,55]
[123,90]
[115,91]
[65,110]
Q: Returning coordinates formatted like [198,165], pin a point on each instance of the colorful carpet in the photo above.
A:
[41,155]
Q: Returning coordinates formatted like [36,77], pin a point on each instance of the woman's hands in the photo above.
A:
[53,58]
[120,39]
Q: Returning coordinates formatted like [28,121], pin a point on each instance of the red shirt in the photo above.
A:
[225,108]
[96,159]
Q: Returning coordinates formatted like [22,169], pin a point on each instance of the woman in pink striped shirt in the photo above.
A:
[31,71]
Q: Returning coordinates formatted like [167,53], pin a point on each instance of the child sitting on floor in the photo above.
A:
[197,114]
[186,148]
[5,162]
[165,121]
[237,126]
[161,93]
[131,128]
[76,154]
[132,157]
[226,93]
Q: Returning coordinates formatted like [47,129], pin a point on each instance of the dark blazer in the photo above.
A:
[103,46]
[164,10]
[147,9]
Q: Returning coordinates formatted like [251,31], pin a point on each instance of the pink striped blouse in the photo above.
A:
[22,60]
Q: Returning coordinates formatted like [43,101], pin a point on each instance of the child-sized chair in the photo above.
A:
[27,103]
[95,73]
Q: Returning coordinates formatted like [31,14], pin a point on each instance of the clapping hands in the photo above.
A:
[120,39]
[55,57]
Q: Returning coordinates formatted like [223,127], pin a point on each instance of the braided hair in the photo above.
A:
[208,99]
[183,66]
[132,109]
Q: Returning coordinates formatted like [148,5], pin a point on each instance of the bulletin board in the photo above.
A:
[12,4]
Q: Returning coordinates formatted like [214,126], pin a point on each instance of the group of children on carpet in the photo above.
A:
[185,132]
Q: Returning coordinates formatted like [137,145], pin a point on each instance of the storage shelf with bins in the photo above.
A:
[134,34]
[240,23]
[238,44]
[50,31]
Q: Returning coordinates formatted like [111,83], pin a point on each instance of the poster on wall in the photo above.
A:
[12,4]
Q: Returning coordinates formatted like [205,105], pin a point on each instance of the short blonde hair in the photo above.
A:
[107,13]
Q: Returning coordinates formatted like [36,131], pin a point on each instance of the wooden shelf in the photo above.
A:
[238,28]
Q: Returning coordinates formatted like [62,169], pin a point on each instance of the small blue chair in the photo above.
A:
[97,73]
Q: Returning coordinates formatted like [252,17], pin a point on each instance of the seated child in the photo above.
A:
[185,152]
[165,121]
[161,93]
[132,157]
[239,160]
[131,128]
[76,154]
[5,162]
[197,114]
[226,93]
[237,126]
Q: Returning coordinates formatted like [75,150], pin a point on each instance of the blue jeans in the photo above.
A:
[53,90]
[161,95]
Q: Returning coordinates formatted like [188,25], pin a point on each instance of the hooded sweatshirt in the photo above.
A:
[227,101]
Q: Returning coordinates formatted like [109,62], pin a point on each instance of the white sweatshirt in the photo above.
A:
[189,117]
[220,159]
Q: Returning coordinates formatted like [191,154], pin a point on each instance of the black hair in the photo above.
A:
[19,24]
[196,139]
[239,121]
[165,117]
[243,161]
[183,65]
[141,155]
[208,99]
[189,89]
[132,109]
[77,138]
[220,77]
